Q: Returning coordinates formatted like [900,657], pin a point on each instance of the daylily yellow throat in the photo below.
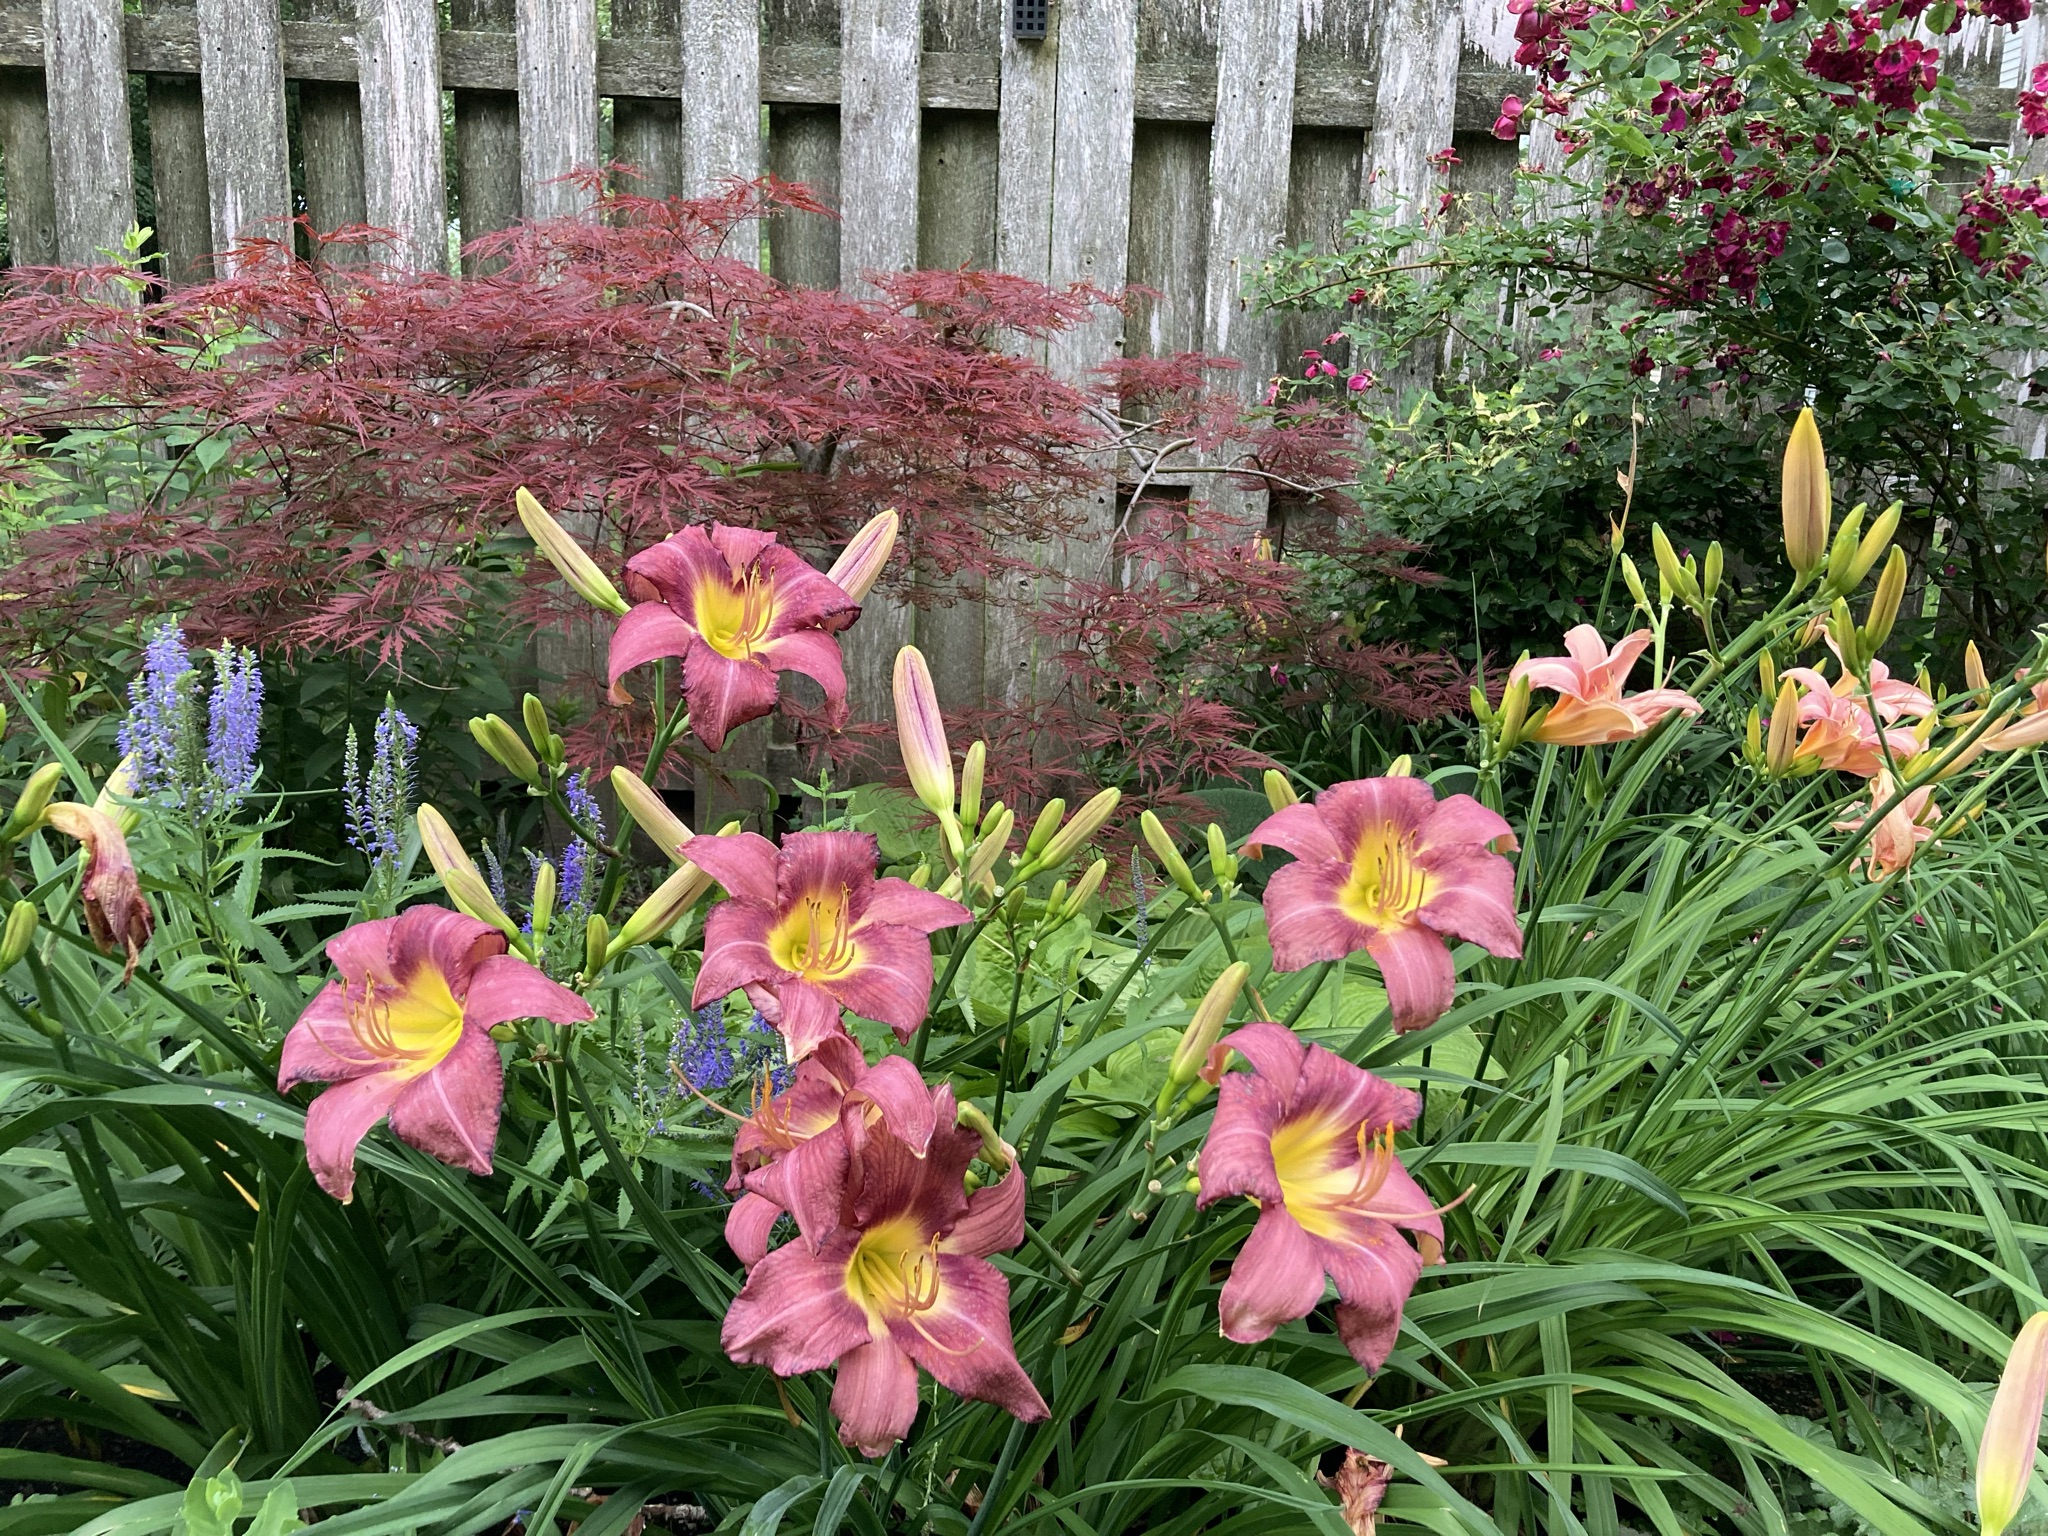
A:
[1316,1186]
[894,1272]
[416,1025]
[1386,886]
[734,619]
[816,939]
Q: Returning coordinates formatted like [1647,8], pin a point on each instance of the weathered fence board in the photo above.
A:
[486,131]
[91,162]
[25,155]
[647,131]
[183,220]
[558,107]
[331,146]
[404,178]
[241,89]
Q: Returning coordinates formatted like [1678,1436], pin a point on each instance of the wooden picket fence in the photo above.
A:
[1163,145]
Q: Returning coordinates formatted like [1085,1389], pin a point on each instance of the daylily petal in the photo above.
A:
[903,905]
[745,863]
[1361,806]
[723,693]
[1583,644]
[897,1089]
[1461,819]
[1416,966]
[994,1222]
[647,632]
[504,988]
[1276,1277]
[1475,900]
[1372,1285]
[1303,917]
[747,1226]
[1572,723]
[116,911]
[804,596]
[323,1047]
[735,951]
[338,1120]
[742,547]
[1300,830]
[794,1313]
[1274,1050]
[1332,1089]
[450,1111]
[1621,660]
[964,1341]
[892,983]
[1237,1157]
[436,939]
[673,569]
[875,1397]
[839,866]
[362,951]
[1556,673]
[809,1182]
[813,653]
[1653,704]
[896,1183]
[810,1016]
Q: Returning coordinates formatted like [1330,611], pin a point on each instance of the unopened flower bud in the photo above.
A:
[972,767]
[543,901]
[115,800]
[1767,674]
[460,877]
[1402,767]
[921,734]
[1482,708]
[1806,496]
[19,933]
[1710,581]
[1222,863]
[921,877]
[32,802]
[1973,670]
[597,941]
[1670,572]
[545,742]
[1042,830]
[567,556]
[1081,826]
[1085,888]
[1279,792]
[1169,856]
[1753,737]
[1055,903]
[664,907]
[1784,737]
[995,837]
[1842,557]
[860,564]
[1633,580]
[501,742]
[1871,547]
[1514,714]
[2012,1430]
[1884,604]
[1203,1031]
[995,1151]
[1848,641]
[651,813]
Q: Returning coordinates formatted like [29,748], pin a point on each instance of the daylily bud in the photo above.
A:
[1055,904]
[1402,767]
[1514,714]
[1670,571]
[1222,862]
[543,901]
[1848,642]
[19,933]
[995,837]
[500,741]
[1884,603]
[460,877]
[1204,1029]
[1710,582]
[1042,830]
[2012,1431]
[1973,670]
[1873,545]
[117,794]
[3,719]
[921,733]
[597,940]
[33,801]
[1842,557]
[1767,674]
[990,816]
[860,564]
[994,1150]
[662,910]
[971,768]
[921,877]
[567,556]
[545,741]
[1085,888]
[1784,738]
[651,813]
[1482,711]
[1807,498]
[1084,824]
[1169,857]
[1633,580]
[1279,792]
[1753,737]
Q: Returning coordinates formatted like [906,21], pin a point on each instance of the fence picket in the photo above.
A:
[331,142]
[25,149]
[803,146]
[879,52]
[647,131]
[177,166]
[558,113]
[405,177]
[721,43]
[486,139]
[241,85]
[85,71]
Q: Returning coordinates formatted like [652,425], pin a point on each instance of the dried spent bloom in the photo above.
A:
[1310,1137]
[739,609]
[405,1033]
[115,909]
[1382,865]
[808,929]
[1591,709]
[1900,831]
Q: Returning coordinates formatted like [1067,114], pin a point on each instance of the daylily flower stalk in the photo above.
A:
[739,609]
[1591,709]
[809,930]
[1382,865]
[405,1034]
[2012,1432]
[896,1279]
[1310,1137]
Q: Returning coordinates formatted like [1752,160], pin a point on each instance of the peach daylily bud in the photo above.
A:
[1084,824]
[1402,767]
[1085,889]
[860,564]
[1767,675]
[971,768]
[1169,857]
[2005,1457]
[1784,737]
[651,813]
[567,556]
[921,733]
[1279,792]
[1842,554]
[460,877]
[1974,676]
[1884,603]
[1871,547]
[1806,496]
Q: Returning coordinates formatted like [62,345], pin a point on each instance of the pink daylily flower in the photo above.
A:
[1898,835]
[738,608]
[898,1279]
[2029,730]
[1591,709]
[809,930]
[1382,865]
[405,1033]
[1310,1137]
[1840,732]
[793,1146]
